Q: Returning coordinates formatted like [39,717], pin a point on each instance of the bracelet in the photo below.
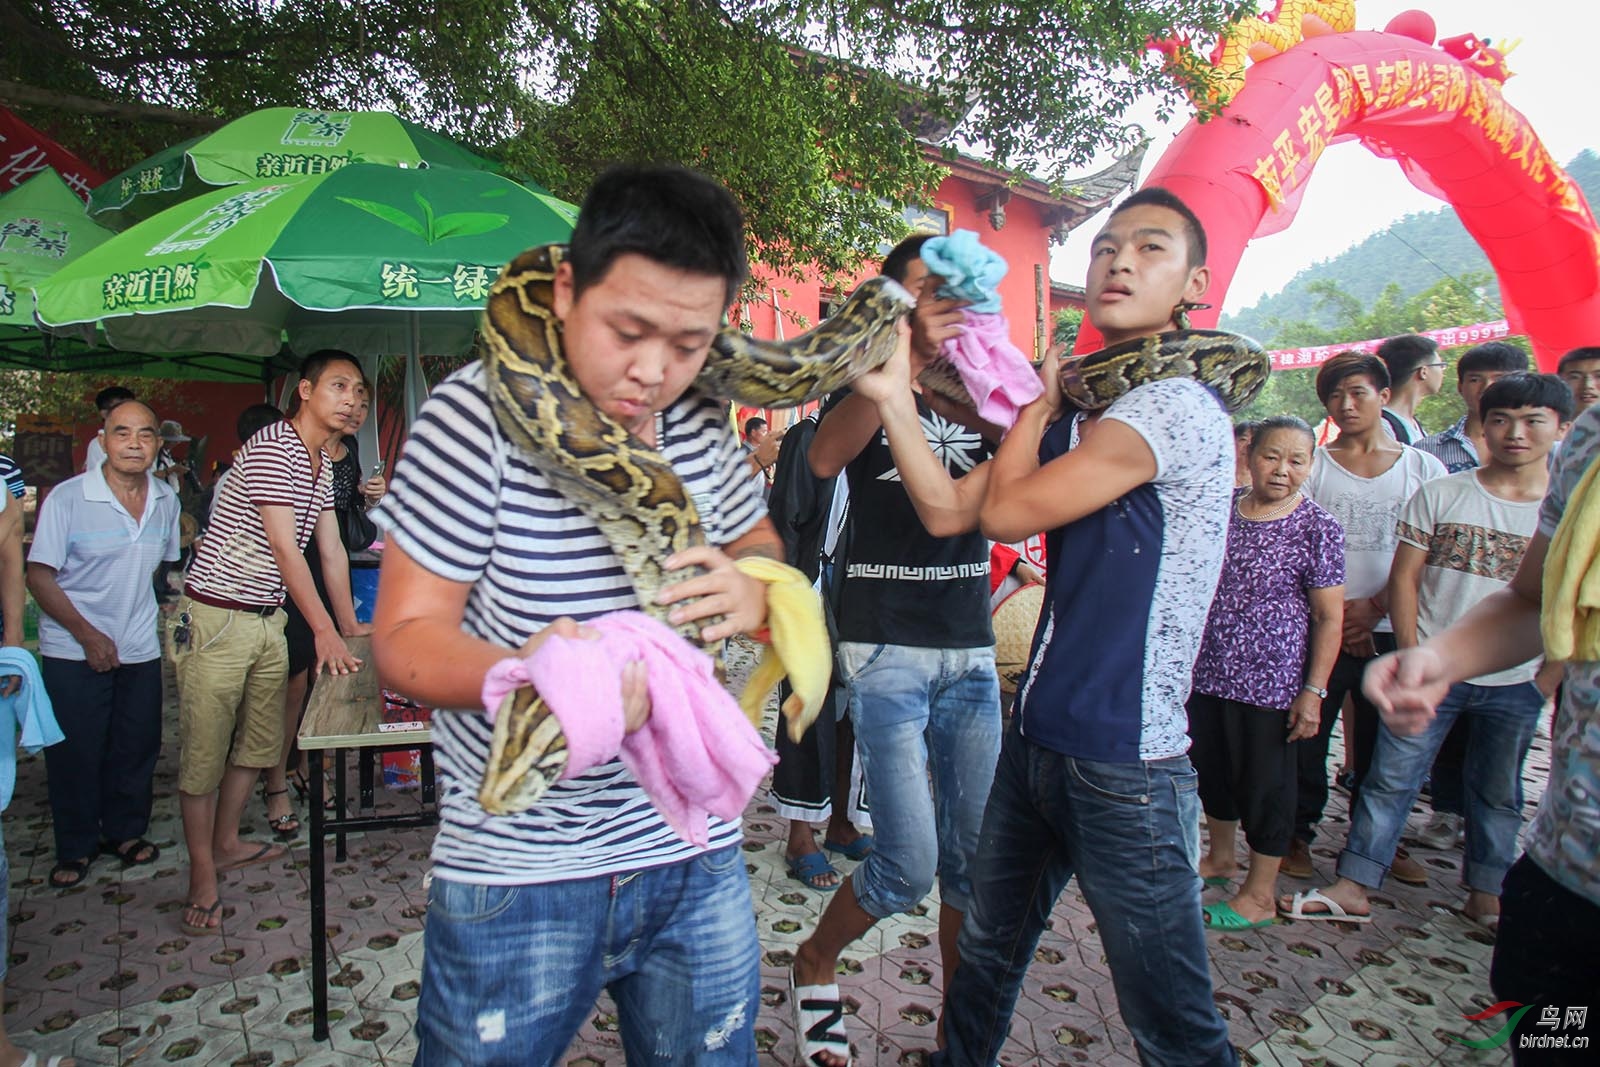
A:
[1320,691]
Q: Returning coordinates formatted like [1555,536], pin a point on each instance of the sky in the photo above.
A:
[1352,193]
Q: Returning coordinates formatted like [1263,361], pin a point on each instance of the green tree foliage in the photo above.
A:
[1064,327]
[811,112]
[1446,303]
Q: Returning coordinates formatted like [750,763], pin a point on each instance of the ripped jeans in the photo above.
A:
[510,973]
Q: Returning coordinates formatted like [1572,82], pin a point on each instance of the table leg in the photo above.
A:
[339,795]
[319,905]
[429,790]
[367,757]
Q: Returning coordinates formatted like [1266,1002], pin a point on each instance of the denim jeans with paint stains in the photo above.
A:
[927,724]
[509,973]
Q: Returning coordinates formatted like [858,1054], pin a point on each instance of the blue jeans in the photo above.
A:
[921,714]
[509,973]
[1503,718]
[1131,833]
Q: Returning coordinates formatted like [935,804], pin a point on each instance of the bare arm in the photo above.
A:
[278,521]
[1024,498]
[1327,611]
[1500,632]
[1405,584]
[946,506]
[841,435]
[336,574]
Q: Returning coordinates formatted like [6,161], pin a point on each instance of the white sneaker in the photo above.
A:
[1443,832]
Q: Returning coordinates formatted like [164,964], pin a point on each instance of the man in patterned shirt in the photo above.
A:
[1093,779]
[531,915]
[1549,935]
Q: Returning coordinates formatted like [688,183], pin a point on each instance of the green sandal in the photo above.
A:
[1221,916]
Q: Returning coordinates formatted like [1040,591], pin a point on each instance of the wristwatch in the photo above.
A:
[1322,693]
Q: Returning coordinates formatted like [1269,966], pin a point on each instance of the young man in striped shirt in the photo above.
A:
[531,915]
[228,648]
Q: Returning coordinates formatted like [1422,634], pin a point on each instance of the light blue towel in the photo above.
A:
[28,712]
[970,271]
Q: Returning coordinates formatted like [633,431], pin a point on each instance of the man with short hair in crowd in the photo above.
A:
[1580,369]
[1362,479]
[916,652]
[1416,372]
[1093,778]
[531,915]
[99,538]
[1461,540]
[104,401]
[1460,445]
[229,653]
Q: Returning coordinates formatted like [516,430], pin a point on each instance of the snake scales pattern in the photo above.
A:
[630,491]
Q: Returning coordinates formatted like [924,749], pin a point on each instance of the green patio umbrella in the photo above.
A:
[370,259]
[275,142]
[42,228]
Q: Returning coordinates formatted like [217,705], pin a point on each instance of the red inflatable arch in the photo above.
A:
[1439,113]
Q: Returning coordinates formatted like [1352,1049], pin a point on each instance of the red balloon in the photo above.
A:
[1417,25]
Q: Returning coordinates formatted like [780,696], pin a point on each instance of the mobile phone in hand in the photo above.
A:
[377,469]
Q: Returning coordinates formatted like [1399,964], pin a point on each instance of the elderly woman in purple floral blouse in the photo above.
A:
[1271,638]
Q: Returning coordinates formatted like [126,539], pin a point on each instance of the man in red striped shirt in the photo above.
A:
[228,647]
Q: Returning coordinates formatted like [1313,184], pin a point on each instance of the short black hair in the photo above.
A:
[1405,353]
[1244,429]
[255,418]
[1348,365]
[751,423]
[1157,196]
[1528,391]
[1281,422]
[670,215]
[1492,356]
[111,396]
[1578,355]
[312,367]
[898,262]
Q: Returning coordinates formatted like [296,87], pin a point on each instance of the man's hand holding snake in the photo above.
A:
[722,590]
[935,320]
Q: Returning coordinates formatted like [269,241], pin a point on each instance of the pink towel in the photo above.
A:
[697,753]
[996,373]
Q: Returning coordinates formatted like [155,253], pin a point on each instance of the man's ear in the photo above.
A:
[1384,395]
[563,293]
[1199,282]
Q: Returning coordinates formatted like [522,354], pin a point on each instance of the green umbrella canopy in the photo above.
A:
[275,142]
[369,259]
[42,227]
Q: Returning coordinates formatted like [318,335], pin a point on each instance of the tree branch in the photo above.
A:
[32,96]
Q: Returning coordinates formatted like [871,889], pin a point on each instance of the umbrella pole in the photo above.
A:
[367,438]
[416,387]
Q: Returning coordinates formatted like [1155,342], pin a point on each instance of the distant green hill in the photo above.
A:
[1364,269]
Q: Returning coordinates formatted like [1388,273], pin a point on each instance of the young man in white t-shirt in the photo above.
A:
[1363,479]
[1462,538]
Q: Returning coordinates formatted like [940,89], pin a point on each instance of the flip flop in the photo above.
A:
[32,1060]
[1334,914]
[857,850]
[194,930]
[818,1021]
[810,867]
[1217,881]
[265,854]
[1222,916]
[129,852]
[76,871]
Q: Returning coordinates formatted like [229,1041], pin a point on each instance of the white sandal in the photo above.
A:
[32,1060]
[818,1021]
[1334,914]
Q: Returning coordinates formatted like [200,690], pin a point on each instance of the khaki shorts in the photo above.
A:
[231,679]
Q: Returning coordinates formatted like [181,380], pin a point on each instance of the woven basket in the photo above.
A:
[1015,619]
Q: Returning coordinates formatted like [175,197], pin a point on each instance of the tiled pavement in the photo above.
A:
[103,973]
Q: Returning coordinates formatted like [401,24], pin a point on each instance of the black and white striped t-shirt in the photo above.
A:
[469,508]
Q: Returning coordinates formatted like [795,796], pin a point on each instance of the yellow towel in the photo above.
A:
[799,648]
[1570,616]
